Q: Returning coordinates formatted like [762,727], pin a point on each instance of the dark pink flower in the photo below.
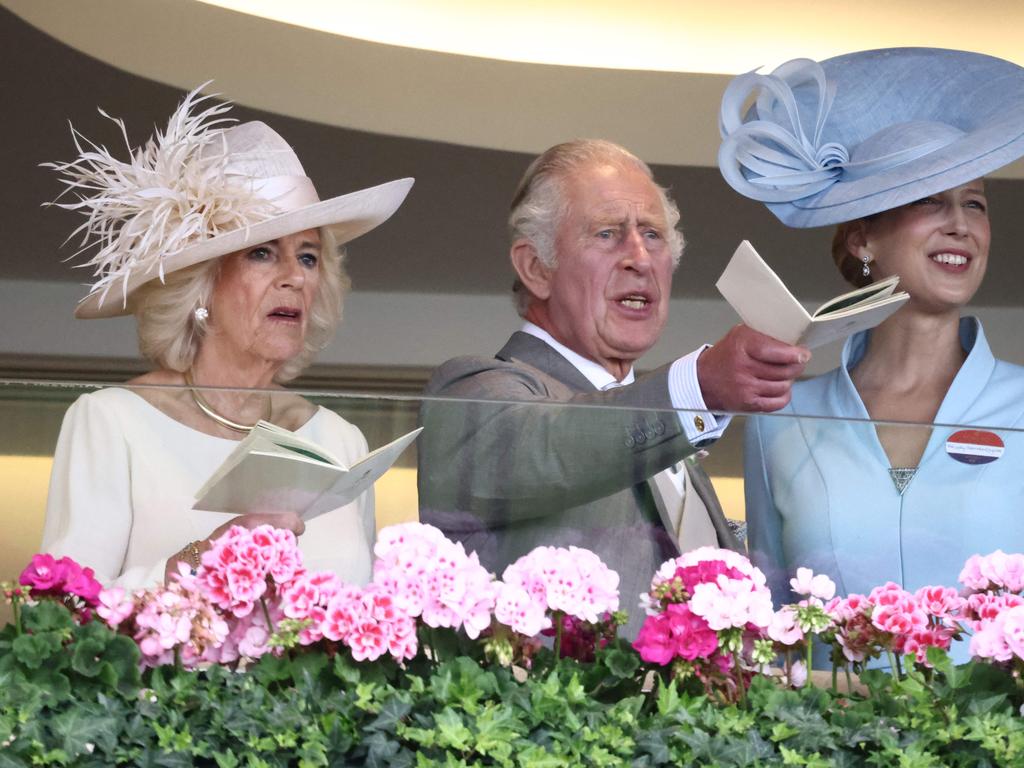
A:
[655,643]
[80,581]
[44,574]
[693,638]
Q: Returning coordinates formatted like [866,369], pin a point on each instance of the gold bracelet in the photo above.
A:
[190,554]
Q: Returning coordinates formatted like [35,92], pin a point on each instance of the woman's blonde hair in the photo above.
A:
[170,334]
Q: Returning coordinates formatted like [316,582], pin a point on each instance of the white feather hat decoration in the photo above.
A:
[196,191]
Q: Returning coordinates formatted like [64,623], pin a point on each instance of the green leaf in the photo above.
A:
[81,729]
[452,732]
[36,649]
[621,663]
[47,616]
[394,711]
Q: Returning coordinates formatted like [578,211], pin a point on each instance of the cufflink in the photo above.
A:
[698,422]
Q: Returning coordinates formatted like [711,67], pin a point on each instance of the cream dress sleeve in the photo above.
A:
[89,507]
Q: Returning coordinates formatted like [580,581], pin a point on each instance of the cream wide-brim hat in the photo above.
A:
[196,192]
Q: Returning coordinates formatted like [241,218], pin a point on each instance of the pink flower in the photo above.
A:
[899,619]
[43,573]
[939,601]
[784,628]
[694,639]
[654,642]
[1013,630]
[570,580]
[971,576]
[989,642]
[516,608]
[114,607]
[80,581]
[431,577]
[367,641]
[996,570]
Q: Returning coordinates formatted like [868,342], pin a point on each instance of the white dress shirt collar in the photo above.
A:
[595,373]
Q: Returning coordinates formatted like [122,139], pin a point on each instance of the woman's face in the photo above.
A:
[937,245]
[262,299]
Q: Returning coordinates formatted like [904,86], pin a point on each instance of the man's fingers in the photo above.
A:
[773,352]
[767,372]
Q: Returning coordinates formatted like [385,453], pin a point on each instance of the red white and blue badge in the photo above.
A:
[974,446]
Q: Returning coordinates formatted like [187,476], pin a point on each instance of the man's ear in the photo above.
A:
[531,270]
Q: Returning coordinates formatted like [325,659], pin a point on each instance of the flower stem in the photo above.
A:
[740,685]
[558,635]
[266,615]
[434,653]
[809,657]
[893,666]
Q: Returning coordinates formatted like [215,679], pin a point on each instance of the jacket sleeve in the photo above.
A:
[507,450]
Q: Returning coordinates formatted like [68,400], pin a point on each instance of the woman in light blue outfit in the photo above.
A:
[893,145]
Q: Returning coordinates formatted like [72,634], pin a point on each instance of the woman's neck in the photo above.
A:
[228,386]
[913,349]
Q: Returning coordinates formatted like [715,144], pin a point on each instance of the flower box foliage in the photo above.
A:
[255,661]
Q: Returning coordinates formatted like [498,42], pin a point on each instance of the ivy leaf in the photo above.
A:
[452,732]
[79,731]
[655,743]
[394,711]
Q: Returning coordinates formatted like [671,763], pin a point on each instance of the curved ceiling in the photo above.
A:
[661,35]
[638,73]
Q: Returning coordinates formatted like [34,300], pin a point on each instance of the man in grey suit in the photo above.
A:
[594,245]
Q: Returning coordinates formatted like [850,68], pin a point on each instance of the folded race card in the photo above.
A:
[765,304]
[274,470]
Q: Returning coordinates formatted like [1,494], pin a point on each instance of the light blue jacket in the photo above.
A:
[819,494]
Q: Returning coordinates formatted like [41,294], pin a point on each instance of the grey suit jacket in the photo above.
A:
[504,477]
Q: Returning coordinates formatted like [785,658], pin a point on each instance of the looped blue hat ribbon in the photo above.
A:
[868,131]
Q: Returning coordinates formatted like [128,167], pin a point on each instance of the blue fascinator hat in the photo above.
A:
[869,131]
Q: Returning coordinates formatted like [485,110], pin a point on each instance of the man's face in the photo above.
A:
[609,292]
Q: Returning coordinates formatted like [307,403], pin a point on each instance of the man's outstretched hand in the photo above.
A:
[748,371]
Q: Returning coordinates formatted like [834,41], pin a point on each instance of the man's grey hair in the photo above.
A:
[170,334]
[541,200]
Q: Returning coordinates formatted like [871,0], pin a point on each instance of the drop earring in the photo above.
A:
[865,270]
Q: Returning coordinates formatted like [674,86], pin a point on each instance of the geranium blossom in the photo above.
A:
[433,578]
[570,580]
[806,582]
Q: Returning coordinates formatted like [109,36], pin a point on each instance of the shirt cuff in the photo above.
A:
[699,425]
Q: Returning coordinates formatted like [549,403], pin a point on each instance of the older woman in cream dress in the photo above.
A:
[215,239]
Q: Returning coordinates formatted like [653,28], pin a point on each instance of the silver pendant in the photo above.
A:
[901,477]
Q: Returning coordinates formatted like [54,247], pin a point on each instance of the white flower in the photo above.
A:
[806,583]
